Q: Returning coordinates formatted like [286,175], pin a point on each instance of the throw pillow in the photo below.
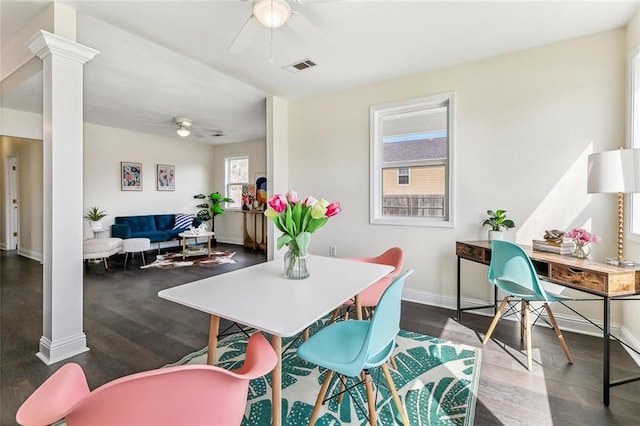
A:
[183,221]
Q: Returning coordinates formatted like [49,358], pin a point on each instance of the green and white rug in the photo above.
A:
[437,382]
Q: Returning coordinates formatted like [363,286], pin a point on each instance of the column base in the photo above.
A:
[52,352]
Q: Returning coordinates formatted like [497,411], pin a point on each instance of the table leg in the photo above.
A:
[458,292]
[214,327]
[209,246]
[606,343]
[358,307]
[184,247]
[276,383]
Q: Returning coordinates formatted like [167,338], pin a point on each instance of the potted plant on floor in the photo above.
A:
[497,221]
[211,208]
[94,215]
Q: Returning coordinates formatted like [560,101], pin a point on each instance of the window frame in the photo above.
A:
[227,182]
[376,115]
[404,175]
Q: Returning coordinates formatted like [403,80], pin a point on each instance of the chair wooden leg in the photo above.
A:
[565,348]
[392,360]
[335,314]
[394,393]
[342,389]
[523,306]
[371,402]
[527,327]
[305,334]
[496,318]
[321,394]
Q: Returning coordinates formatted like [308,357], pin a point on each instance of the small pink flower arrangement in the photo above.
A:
[581,236]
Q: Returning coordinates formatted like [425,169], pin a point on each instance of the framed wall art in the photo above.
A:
[131,176]
[166,177]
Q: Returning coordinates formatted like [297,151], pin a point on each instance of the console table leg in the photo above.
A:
[458,293]
[606,344]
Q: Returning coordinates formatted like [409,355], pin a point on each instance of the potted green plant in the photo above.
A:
[498,221]
[211,207]
[94,215]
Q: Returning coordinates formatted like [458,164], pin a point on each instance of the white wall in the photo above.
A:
[525,123]
[631,309]
[104,149]
[229,225]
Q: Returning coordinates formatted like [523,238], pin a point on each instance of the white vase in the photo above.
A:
[96,225]
[496,235]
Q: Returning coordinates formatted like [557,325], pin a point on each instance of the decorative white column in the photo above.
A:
[62,70]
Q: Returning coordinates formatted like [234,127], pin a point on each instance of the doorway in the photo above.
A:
[12,202]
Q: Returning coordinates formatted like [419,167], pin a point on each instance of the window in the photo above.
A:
[403,176]
[411,162]
[236,176]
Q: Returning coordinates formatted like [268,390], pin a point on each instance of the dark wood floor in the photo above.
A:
[130,329]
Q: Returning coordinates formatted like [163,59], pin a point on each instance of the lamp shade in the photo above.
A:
[271,13]
[615,171]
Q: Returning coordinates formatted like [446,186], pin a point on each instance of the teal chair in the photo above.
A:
[351,348]
[512,272]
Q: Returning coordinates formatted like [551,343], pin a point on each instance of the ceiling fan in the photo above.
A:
[272,14]
[184,128]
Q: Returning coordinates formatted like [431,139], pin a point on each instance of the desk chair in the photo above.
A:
[351,348]
[187,394]
[512,272]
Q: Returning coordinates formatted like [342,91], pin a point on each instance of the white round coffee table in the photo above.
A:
[135,245]
[189,234]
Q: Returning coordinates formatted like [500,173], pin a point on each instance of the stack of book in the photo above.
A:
[558,247]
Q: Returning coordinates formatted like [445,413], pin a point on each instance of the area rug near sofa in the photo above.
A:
[174,260]
[437,382]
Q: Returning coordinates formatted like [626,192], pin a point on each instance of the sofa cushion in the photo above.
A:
[137,223]
[163,221]
[183,221]
[154,236]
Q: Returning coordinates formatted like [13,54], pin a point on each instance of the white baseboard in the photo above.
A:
[633,342]
[572,323]
[235,241]
[30,254]
[3,246]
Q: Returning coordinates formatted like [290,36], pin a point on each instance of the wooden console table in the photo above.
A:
[599,279]
[248,241]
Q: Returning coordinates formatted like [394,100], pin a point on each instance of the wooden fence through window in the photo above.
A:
[413,205]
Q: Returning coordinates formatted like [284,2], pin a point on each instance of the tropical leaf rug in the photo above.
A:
[437,382]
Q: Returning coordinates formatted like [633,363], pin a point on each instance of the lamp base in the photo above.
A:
[627,263]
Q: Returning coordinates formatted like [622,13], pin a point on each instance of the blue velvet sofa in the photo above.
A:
[155,227]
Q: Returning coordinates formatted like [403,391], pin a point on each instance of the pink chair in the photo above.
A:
[370,296]
[187,394]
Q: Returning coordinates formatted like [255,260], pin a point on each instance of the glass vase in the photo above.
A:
[581,251]
[296,265]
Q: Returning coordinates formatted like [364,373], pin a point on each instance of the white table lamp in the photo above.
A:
[615,172]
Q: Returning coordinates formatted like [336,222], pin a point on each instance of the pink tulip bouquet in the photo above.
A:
[299,219]
[581,236]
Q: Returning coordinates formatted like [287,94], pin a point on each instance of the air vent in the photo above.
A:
[301,65]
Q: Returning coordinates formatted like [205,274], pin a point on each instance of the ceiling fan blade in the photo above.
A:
[245,36]
[307,30]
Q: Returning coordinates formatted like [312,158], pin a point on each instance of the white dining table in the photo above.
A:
[260,297]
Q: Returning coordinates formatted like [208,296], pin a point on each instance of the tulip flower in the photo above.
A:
[278,203]
[318,211]
[292,197]
[333,209]
[309,201]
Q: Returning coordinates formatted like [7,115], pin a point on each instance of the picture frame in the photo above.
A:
[166,177]
[130,176]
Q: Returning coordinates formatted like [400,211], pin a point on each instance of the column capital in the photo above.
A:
[43,44]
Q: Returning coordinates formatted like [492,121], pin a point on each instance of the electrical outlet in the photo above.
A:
[332,251]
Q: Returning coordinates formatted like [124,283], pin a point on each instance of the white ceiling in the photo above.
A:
[161,59]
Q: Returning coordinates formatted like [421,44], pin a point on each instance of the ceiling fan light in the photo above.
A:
[271,13]
[183,131]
